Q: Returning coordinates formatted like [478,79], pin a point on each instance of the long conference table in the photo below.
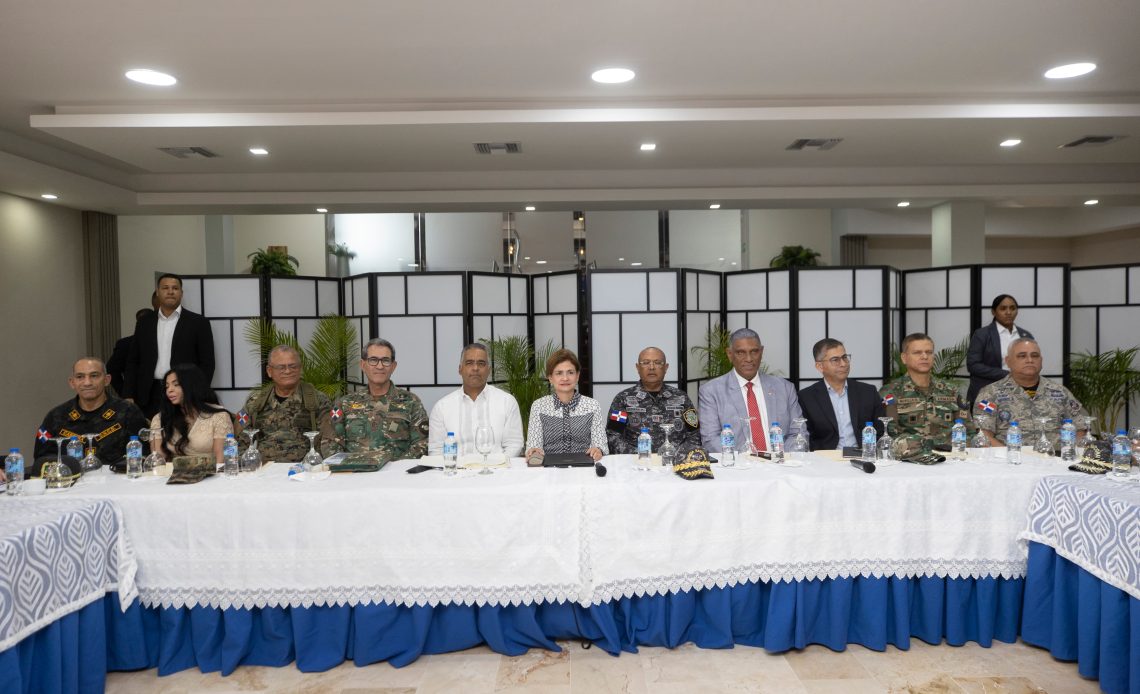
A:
[265,570]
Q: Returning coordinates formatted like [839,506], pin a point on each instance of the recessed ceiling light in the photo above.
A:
[526,257]
[904,203]
[1012,142]
[621,260]
[1071,70]
[49,196]
[734,262]
[259,151]
[720,259]
[1091,202]
[540,262]
[413,264]
[530,208]
[612,75]
[321,210]
[648,146]
[714,206]
[151,77]
[635,264]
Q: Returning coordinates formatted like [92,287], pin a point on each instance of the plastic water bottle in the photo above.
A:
[870,441]
[958,439]
[776,442]
[727,447]
[1013,443]
[134,458]
[14,469]
[1068,442]
[75,448]
[231,465]
[1121,454]
[644,446]
[450,454]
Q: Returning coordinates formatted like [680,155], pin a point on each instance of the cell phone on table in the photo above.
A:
[852,452]
[417,469]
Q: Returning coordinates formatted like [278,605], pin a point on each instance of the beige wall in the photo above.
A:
[42,303]
[304,234]
[770,230]
[158,243]
[1109,248]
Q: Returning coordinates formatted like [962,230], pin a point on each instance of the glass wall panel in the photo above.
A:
[620,239]
[464,240]
[705,239]
[382,242]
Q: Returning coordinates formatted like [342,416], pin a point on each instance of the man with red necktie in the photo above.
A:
[745,397]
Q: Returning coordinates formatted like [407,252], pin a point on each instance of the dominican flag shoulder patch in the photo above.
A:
[43,434]
[243,417]
[986,406]
[335,414]
[888,399]
[619,416]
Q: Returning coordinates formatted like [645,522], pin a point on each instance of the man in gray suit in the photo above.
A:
[744,392]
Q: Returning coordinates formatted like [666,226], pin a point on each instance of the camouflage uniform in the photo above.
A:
[283,423]
[645,409]
[1012,404]
[389,427]
[922,417]
[115,422]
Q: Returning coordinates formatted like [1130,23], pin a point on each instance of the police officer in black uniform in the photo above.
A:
[93,411]
[650,404]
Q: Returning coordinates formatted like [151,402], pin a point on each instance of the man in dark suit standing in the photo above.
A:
[171,335]
[837,408]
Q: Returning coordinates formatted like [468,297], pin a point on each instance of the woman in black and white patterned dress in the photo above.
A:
[566,422]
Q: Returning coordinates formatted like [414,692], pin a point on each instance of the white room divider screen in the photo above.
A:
[762,300]
[1105,315]
[500,305]
[630,310]
[1041,292]
[229,302]
[938,302]
[356,293]
[554,299]
[702,313]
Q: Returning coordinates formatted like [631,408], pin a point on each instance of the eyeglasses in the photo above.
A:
[835,361]
[285,367]
[481,363]
[651,362]
[380,361]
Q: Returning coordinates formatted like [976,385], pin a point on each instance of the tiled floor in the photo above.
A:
[970,669]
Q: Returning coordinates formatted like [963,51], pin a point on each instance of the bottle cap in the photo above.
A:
[451,433]
[727,426]
[13,450]
[1013,423]
[1066,421]
[134,438]
[1121,432]
[958,421]
[645,430]
[74,438]
[868,424]
[775,424]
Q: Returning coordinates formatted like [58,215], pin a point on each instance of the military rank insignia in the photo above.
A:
[986,407]
[108,414]
[73,415]
[243,417]
[43,434]
[336,414]
[888,399]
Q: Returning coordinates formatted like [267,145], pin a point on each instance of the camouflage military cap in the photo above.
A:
[189,469]
[695,466]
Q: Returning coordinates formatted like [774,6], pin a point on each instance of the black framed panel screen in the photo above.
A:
[762,300]
[702,292]
[554,298]
[229,302]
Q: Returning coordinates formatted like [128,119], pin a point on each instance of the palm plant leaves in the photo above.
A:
[332,347]
[1104,382]
[520,370]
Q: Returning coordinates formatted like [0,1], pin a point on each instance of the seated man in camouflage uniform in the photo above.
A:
[923,408]
[93,411]
[383,422]
[284,411]
[1025,395]
[652,403]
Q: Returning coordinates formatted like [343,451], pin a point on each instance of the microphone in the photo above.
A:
[864,465]
[599,470]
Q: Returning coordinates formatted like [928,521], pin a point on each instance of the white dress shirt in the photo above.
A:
[842,414]
[759,393]
[1007,337]
[165,334]
[458,413]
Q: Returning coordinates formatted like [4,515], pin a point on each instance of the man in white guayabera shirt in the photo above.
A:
[473,405]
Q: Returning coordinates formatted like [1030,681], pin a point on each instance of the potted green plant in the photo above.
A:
[342,254]
[713,354]
[1104,382]
[333,346]
[519,369]
[272,262]
[794,256]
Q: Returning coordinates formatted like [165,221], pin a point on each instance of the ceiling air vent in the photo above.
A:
[1093,141]
[498,147]
[819,143]
[188,152]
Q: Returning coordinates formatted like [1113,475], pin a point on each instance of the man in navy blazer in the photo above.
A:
[837,408]
[724,400]
[172,335]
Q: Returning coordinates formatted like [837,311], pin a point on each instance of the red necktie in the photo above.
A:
[757,425]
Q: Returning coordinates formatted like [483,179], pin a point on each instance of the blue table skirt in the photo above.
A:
[781,616]
[1079,617]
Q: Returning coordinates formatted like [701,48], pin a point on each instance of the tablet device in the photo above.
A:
[567,460]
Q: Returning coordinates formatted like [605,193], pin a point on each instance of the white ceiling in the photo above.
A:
[374,106]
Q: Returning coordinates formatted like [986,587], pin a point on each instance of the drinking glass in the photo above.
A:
[484,443]
[1084,439]
[668,450]
[1135,436]
[797,447]
[54,472]
[90,461]
[154,458]
[980,440]
[883,451]
[251,459]
[313,462]
[1043,445]
[743,431]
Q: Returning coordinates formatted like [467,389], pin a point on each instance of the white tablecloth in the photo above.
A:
[527,535]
